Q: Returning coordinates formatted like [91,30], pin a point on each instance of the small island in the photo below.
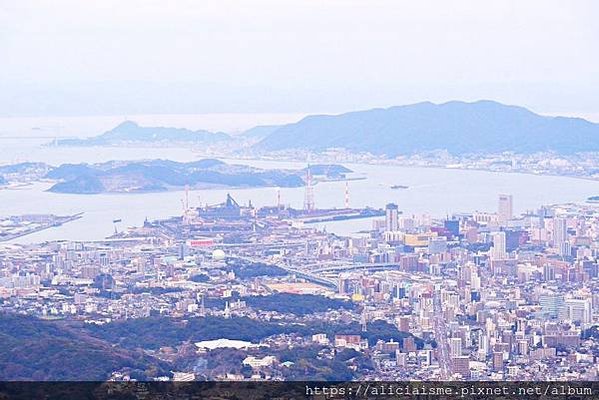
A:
[328,170]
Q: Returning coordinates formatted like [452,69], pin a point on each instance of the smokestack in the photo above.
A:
[346,195]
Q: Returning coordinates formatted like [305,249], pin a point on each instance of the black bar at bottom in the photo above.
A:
[298,390]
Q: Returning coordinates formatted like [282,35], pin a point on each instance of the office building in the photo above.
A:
[455,347]
[498,251]
[504,209]
[391,217]
[560,236]
[551,304]
[578,310]
[497,361]
[461,365]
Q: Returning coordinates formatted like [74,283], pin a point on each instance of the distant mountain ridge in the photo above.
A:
[458,127]
[130,131]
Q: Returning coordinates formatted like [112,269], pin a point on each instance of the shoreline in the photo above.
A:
[61,220]
[390,163]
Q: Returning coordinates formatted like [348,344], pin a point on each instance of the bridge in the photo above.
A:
[353,267]
[279,245]
[309,276]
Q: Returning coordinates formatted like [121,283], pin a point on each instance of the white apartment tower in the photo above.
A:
[391,217]
[505,209]
[560,236]
[498,251]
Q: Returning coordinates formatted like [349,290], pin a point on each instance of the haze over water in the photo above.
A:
[431,190]
[434,191]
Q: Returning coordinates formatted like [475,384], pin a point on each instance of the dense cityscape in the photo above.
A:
[290,199]
[475,296]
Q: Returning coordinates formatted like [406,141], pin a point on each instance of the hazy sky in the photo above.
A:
[124,57]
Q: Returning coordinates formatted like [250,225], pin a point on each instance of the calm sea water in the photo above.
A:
[433,191]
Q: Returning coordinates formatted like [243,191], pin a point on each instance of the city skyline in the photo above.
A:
[299,199]
[406,277]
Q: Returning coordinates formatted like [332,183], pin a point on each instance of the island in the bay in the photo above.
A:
[163,175]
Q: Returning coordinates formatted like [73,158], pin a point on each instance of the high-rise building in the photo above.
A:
[104,259]
[505,209]
[452,226]
[578,310]
[391,217]
[498,251]
[401,358]
[551,303]
[560,236]
[549,272]
[309,193]
[461,365]
[344,284]
[483,345]
[409,344]
[497,361]
[522,347]
[455,347]
[403,323]
[183,251]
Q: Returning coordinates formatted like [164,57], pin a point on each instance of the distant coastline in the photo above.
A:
[394,162]
[159,175]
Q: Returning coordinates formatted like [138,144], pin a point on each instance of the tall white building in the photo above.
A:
[391,217]
[578,310]
[483,345]
[498,251]
[560,236]
[505,209]
[455,347]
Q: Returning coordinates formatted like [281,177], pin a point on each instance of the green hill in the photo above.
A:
[34,349]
